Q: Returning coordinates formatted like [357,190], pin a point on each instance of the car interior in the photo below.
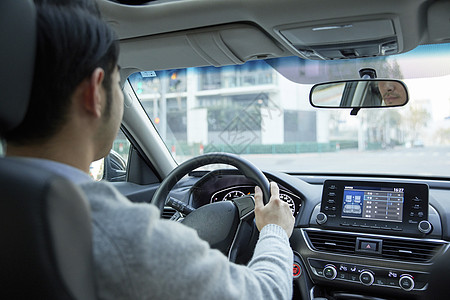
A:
[223,95]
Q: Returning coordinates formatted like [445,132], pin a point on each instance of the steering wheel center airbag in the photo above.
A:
[216,223]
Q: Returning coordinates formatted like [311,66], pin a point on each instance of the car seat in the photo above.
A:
[45,223]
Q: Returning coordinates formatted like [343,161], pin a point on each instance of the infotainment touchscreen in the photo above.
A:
[371,203]
[375,206]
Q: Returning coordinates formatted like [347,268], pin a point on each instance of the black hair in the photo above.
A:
[71,43]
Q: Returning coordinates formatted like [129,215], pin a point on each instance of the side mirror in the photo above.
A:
[359,93]
[115,167]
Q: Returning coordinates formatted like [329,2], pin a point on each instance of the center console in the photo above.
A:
[381,235]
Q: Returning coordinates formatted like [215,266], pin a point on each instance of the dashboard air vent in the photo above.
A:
[414,251]
[332,242]
[394,249]
[168,212]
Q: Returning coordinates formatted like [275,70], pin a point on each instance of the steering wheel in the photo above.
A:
[225,225]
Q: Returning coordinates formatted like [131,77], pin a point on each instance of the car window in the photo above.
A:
[113,167]
[121,146]
[261,114]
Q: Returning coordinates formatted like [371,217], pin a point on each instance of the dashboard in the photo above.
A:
[353,237]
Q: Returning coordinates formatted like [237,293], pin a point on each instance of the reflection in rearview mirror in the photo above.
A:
[359,93]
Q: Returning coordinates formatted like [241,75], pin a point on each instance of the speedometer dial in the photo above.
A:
[289,200]
[233,194]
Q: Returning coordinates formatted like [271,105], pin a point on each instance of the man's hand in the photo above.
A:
[275,212]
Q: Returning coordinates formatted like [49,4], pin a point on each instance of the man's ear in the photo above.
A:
[94,94]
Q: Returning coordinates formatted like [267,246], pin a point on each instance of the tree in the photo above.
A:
[442,136]
[415,120]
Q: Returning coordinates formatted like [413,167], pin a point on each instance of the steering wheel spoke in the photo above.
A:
[245,206]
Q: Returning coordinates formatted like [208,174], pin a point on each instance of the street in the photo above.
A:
[423,161]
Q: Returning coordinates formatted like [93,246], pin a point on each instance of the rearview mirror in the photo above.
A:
[359,93]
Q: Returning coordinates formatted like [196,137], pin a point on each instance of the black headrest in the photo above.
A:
[18,36]
[45,229]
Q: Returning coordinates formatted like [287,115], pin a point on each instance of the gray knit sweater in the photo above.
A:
[140,256]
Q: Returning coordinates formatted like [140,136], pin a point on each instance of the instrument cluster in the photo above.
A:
[233,192]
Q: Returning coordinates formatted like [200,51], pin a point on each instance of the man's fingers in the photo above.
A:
[258,197]
[274,190]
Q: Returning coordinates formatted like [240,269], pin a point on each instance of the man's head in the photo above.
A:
[392,92]
[75,49]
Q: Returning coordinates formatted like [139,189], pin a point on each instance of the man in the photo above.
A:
[74,114]
[392,92]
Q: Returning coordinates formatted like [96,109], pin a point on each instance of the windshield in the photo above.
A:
[260,110]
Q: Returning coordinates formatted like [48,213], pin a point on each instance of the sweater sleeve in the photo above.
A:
[140,256]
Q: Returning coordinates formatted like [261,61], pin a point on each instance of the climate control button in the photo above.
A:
[406,282]
[366,278]
[330,272]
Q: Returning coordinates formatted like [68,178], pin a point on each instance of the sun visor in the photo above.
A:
[222,45]
[344,39]
[439,21]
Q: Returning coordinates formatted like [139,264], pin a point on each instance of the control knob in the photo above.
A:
[321,218]
[330,272]
[366,278]
[424,227]
[406,282]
